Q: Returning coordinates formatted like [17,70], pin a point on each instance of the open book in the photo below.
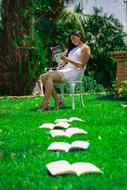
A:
[61,124]
[71,119]
[66,146]
[57,52]
[68,132]
[64,167]
[124,105]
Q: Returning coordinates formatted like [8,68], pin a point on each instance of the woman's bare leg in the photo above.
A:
[48,80]
[54,93]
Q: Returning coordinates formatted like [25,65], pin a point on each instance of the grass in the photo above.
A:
[24,146]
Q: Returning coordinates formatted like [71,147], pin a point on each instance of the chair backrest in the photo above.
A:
[57,52]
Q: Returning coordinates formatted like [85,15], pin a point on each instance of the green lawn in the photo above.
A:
[24,146]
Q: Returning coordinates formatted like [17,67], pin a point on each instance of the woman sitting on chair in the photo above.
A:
[77,57]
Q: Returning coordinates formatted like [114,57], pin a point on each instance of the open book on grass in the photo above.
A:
[66,146]
[68,132]
[124,105]
[64,167]
[71,119]
[61,124]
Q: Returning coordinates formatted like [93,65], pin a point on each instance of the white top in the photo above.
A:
[74,54]
[71,72]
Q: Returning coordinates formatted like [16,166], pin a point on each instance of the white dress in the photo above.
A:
[70,72]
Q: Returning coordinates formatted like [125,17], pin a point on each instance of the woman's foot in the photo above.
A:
[44,107]
[59,103]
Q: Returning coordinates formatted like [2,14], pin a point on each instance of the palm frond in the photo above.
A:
[70,18]
[77,8]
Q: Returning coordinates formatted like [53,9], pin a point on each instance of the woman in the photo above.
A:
[76,59]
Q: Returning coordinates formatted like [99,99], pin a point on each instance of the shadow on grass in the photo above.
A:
[3,113]
[51,109]
[111,98]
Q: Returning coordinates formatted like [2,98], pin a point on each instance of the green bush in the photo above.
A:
[89,85]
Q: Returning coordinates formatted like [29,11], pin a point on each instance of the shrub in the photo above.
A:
[89,85]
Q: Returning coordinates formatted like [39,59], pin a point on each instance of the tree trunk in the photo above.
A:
[19,58]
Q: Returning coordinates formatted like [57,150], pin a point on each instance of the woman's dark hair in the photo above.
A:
[77,33]
[70,44]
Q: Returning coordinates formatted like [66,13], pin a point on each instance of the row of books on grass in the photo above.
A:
[63,124]
[62,166]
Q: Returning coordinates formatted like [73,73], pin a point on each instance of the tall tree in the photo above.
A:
[20,56]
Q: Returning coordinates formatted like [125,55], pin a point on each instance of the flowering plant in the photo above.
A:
[120,91]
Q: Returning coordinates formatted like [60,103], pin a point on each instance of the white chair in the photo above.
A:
[72,83]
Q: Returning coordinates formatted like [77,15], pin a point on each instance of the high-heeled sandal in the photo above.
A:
[44,107]
[59,104]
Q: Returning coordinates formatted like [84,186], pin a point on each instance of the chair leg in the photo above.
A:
[81,96]
[73,90]
[62,91]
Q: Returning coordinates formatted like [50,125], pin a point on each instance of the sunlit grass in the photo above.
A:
[24,146]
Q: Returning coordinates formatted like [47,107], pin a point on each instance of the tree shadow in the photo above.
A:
[111,98]
[51,109]
[3,113]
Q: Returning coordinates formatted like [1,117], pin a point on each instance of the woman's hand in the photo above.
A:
[64,58]
[62,62]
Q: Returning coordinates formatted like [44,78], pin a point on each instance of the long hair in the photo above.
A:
[70,44]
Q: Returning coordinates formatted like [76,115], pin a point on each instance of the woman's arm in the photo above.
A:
[85,55]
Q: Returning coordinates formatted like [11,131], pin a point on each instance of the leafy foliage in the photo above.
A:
[89,85]
[105,35]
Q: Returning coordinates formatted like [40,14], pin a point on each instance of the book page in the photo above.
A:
[62,124]
[71,119]
[59,146]
[59,167]
[47,126]
[57,52]
[59,120]
[82,167]
[73,130]
[55,133]
[79,145]
[58,56]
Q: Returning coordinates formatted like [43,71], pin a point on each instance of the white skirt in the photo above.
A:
[71,74]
